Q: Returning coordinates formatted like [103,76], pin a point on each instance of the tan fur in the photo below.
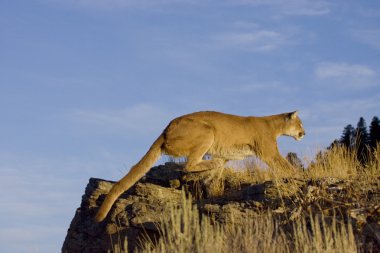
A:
[222,136]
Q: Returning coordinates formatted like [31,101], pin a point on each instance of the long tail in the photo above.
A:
[136,172]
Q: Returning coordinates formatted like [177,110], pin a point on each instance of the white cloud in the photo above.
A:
[291,7]
[245,25]
[272,86]
[285,7]
[348,75]
[257,41]
[139,118]
[253,37]
[353,106]
[117,4]
[369,37]
[330,69]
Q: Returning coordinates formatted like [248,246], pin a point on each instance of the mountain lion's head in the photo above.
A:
[294,127]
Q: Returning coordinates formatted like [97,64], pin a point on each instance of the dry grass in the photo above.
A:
[339,162]
[321,223]
[187,231]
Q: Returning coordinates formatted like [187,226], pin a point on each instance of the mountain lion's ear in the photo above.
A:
[293,115]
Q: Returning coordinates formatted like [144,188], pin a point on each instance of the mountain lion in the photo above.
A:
[222,136]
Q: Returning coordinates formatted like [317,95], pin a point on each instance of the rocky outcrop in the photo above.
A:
[133,215]
[137,212]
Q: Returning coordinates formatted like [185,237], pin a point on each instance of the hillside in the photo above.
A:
[237,211]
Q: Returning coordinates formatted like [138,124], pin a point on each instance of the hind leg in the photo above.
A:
[191,138]
[198,168]
[195,162]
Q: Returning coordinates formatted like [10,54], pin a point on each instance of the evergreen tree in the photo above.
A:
[374,133]
[348,136]
[362,140]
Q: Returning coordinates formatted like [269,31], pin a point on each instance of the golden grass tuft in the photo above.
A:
[338,162]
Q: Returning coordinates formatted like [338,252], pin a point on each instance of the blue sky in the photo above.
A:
[87,85]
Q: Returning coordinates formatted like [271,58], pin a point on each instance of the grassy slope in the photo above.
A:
[312,218]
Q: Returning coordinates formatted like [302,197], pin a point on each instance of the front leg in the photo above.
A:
[283,164]
[277,162]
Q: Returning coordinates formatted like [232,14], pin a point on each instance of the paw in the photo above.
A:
[195,176]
